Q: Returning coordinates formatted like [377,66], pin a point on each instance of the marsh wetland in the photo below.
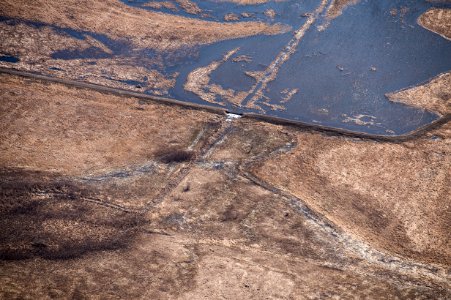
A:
[236,149]
[303,61]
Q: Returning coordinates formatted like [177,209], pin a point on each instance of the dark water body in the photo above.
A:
[400,52]
[342,73]
[9,58]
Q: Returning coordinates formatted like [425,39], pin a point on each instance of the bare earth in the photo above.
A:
[243,209]
[105,196]
[437,20]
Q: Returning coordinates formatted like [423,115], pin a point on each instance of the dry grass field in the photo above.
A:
[110,196]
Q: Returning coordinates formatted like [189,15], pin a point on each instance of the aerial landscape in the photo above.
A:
[225,149]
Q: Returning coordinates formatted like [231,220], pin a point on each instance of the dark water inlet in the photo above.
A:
[9,58]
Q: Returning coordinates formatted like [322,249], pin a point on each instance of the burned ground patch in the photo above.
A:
[168,156]
[44,215]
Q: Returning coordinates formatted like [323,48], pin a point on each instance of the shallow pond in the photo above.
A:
[340,75]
